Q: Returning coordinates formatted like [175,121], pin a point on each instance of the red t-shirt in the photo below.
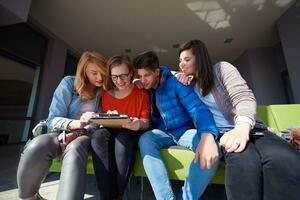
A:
[136,104]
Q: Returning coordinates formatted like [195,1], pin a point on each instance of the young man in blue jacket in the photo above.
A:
[178,117]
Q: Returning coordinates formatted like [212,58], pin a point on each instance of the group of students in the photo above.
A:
[169,110]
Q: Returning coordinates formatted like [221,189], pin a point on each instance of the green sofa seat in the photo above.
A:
[177,159]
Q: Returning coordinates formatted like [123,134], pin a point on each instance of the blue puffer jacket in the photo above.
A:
[180,108]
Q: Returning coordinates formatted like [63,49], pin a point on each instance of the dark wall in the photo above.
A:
[16,92]
[259,67]
[289,32]
[71,64]
[23,42]
[14,11]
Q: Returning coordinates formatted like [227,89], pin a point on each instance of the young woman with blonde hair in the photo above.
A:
[73,101]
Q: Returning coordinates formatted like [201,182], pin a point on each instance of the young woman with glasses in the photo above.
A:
[114,150]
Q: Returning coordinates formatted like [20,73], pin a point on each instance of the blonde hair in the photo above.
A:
[82,83]
[114,61]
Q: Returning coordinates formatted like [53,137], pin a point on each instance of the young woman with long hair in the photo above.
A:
[73,101]
[259,169]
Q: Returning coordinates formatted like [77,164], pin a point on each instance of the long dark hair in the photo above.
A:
[204,72]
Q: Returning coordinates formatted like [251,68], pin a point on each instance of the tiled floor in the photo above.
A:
[9,158]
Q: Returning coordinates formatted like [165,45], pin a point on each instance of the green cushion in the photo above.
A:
[176,159]
[264,113]
[285,116]
[56,165]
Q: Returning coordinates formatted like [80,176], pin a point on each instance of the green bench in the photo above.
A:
[177,159]
[280,117]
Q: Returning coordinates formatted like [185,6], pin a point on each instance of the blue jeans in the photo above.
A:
[196,180]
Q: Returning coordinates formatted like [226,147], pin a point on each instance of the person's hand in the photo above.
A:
[236,139]
[207,151]
[65,139]
[134,124]
[75,124]
[138,83]
[85,117]
[184,78]
[82,122]
[112,112]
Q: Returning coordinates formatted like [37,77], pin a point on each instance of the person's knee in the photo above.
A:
[75,152]
[42,144]
[127,139]
[282,159]
[100,133]
[100,136]
[80,143]
[246,160]
[147,140]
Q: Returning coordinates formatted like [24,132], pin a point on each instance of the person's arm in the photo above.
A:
[242,98]
[137,82]
[58,111]
[137,124]
[202,117]
[185,79]
[244,104]
[207,150]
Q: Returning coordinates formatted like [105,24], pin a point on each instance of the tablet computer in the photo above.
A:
[110,120]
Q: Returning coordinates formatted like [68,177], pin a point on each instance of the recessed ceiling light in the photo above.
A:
[228,40]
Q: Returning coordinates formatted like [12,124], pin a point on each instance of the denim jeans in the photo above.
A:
[268,169]
[196,180]
[113,153]
[37,158]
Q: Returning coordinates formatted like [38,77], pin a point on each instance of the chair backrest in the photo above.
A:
[264,113]
[286,115]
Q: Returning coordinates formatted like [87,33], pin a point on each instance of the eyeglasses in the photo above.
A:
[121,76]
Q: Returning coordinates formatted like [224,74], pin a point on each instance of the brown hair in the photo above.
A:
[204,73]
[115,61]
[146,60]
[82,82]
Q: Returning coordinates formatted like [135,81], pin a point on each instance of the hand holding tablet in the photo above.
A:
[110,120]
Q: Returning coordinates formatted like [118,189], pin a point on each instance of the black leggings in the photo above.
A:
[113,153]
[268,169]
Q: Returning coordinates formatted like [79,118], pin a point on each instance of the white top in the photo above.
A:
[210,102]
